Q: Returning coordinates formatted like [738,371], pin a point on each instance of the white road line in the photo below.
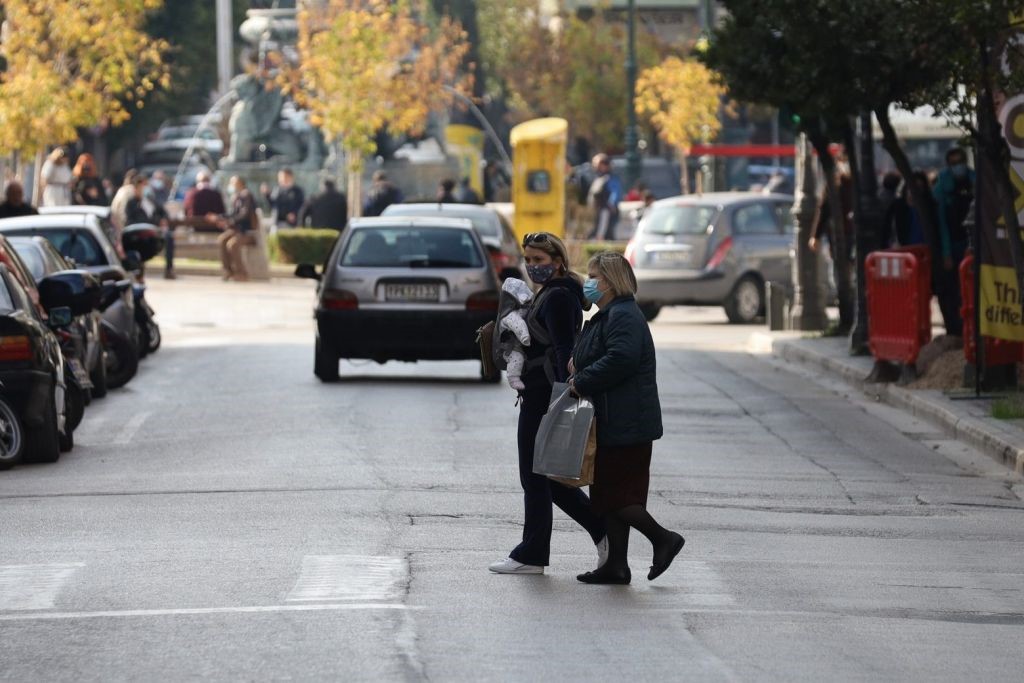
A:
[350,577]
[186,611]
[131,428]
[703,585]
[33,586]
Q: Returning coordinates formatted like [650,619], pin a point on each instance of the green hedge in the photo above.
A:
[301,245]
[591,249]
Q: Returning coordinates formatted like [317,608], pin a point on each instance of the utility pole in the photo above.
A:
[225,46]
[632,135]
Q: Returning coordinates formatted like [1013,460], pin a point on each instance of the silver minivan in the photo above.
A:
[718,248]
[402,288]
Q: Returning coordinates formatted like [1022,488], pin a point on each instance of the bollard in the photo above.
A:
[779,302]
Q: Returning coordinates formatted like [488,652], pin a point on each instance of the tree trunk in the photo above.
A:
[808,311]
[866,222]
[684,173]
[891,143]
[37,178]
[354,171]
[837,234]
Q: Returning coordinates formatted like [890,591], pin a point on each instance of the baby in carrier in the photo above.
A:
[513,330]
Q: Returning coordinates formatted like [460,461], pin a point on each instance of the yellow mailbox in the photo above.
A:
[538,175]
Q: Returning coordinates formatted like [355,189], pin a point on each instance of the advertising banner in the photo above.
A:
[1001,298]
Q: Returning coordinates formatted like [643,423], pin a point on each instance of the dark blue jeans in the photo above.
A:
[539,492]
[169,249]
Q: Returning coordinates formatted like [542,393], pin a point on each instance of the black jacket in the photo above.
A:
[327,209]
[616,369]
[560,314]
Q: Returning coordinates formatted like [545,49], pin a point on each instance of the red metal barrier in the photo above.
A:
[899,293]
[997,351]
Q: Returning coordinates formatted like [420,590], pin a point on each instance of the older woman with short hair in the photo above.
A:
[614,365]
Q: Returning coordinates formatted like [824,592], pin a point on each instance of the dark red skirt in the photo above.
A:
[622,475]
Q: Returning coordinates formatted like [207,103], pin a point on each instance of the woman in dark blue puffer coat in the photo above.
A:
[614,365]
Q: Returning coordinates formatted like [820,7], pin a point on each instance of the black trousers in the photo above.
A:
[539,492]
[947,289]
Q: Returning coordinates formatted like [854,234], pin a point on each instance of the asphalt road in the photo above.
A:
[228,517]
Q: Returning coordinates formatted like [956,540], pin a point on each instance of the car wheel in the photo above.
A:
[44,442]
[122,359]
[99,376]
[12,438]
[153,335]
[74,406]
[650,311]
[746,301]
[325,364]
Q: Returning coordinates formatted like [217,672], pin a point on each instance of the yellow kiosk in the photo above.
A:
[538,175]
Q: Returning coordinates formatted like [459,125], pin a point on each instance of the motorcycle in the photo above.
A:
[122,356]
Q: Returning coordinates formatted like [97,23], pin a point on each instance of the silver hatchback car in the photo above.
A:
[718,248]
[397,288]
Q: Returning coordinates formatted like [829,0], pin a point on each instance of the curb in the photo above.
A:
[1003,444]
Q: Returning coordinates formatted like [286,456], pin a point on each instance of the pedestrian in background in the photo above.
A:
[328,208]
[556,314]
[603,197]
[14,203]
[239,226]
[613,364]
[56,178]
[903,219]
[445,194]
[496,182]
[119,205]
[954,194]
[382,195]
[203,200]
[465,194]
[88,188]
[286,200]
[823,221]
[159,188]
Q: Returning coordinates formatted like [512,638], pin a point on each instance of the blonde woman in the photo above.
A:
[613,364]
[554,320]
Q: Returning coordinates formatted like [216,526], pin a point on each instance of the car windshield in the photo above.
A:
[678,220]
[78,245]
[32,256]
[6,302]
[486,225]
[411,247]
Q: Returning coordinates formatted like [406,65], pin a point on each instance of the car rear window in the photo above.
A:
[405,247]
[75,244]
[6,302]
[484,224]
[678,220]
[32,258]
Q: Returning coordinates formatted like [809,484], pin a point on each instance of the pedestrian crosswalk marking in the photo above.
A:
[350,577]
[33,586]
[704,586]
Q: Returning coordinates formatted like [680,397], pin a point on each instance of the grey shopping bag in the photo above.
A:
[562,438]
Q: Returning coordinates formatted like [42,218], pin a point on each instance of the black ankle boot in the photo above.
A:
[606,575]
[664,553]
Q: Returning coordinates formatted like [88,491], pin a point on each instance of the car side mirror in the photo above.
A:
[60,316]
[76,290]
[307,271]
[132,261]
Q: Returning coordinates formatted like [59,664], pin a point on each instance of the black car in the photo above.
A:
[83,339]
[31,379]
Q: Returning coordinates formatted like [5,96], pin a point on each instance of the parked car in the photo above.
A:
[32,383]
[712,249]
[81,238]
[83,334]
[102,214]
[408,289]
[494,230]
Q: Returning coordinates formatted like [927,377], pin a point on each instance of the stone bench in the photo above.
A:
[203,246]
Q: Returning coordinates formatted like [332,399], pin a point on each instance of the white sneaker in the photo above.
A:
[510,566]
[602,552]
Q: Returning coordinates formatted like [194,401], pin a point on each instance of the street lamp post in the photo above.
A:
[632,134]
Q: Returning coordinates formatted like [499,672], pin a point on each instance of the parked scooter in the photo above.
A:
[122,354]
[149,331]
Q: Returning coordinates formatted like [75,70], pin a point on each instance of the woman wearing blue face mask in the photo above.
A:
[614,365]
[554,320]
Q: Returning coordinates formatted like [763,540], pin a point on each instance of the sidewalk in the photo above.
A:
[969,421]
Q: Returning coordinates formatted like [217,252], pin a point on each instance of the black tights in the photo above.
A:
[618,523]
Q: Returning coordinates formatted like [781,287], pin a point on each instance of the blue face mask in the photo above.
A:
[591,292]
[541,274]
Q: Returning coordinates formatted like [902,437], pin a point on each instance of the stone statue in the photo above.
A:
[260,133]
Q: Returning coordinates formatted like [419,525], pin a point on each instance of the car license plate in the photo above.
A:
[672,257]
[412,292]
[78,370]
